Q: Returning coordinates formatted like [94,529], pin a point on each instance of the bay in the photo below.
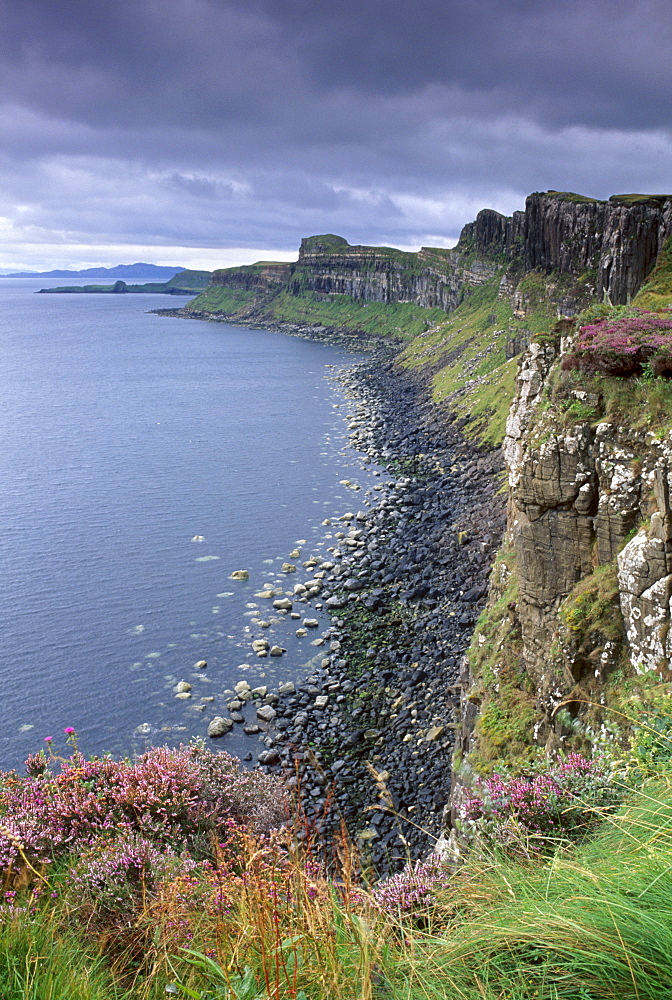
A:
[142,460]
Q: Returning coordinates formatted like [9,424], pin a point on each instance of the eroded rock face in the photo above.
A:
[618,239]
[432,278]
[645,584]
[614,243]
[576,495]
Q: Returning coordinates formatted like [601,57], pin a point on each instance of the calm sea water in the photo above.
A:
[123,436]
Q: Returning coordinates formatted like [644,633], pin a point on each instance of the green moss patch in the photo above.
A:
[503,734]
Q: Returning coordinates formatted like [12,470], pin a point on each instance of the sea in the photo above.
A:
[143,460]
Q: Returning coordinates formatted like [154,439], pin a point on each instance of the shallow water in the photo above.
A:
[142,460]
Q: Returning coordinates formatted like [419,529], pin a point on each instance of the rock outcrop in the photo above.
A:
[264,277]
[587,558]
[608,247]
[618,240]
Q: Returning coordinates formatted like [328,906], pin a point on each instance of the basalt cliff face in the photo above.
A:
[431,278]
[595,248]
[579,611]
[616,242]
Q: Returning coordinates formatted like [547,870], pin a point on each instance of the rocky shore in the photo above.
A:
[367,739]
[348,340]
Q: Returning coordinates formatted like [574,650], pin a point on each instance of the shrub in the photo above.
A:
[558,802]
[411,888]
[624,346]
[171,797]
[115,881]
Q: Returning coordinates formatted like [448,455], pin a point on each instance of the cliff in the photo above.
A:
[615,241]
[432,278]
[592,248]
[575,644]
[579,614]
[468,312]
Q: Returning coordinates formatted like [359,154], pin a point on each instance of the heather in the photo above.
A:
[556,802]
[179,873]
[623,346]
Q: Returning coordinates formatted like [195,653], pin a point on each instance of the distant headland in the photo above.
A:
[138,270]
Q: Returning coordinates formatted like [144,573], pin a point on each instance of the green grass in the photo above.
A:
[40,959]
[465,355]
[223,300]
[594,923]
[396,320]
[656,293]
[399,320]
[637,199]
[193,280]
[571,196]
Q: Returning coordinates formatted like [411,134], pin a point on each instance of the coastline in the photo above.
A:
[357,342]
[367,739]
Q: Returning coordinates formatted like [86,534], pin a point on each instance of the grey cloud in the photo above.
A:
[255,122]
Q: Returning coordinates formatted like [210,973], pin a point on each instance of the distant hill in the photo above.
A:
[123,271]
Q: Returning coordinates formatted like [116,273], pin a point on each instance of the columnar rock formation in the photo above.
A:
[610,246]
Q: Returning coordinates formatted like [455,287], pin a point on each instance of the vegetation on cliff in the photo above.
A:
[170,875]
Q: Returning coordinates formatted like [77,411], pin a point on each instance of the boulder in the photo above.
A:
[240,574]
[219,727]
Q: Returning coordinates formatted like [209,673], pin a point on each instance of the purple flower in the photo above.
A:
[68,731]
[48,739]
[623,346]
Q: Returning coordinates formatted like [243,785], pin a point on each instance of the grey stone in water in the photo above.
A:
[240,574]
[288,687]
[219,726]
[283,604]
[200,664]
[276,651]
[266,713]
[182,687]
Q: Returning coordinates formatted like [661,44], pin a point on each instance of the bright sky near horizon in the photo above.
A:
[209,133]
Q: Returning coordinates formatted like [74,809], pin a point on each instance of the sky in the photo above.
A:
[208,133]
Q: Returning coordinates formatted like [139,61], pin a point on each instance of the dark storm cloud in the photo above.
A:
[254,122]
